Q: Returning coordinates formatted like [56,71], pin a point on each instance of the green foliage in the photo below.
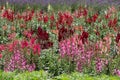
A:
[7,75]
[80,76]
[35,75]
[51,62]
[42,75]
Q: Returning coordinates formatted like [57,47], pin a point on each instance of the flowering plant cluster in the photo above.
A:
[22,55]
[87,41]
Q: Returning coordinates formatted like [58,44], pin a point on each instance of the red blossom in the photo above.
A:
[113,23]
[46,45]
[45,19]
[84,37]
[32,40]
[89,20]
[107,16]
[28,15]
[12,45]
[0,55]
[118,38]
[94,17]
[24,44]
[64,33]
[65,18]
[52,17]
[2,47]
[42,34]
[8,14]
[36,48]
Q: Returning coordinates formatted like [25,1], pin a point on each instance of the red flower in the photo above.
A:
[89,20]
[32,41]
[84,37]
[12,45]
[65,18]
[107,16]
[52,18]
[94,17]
[24,44]
[2,47]
[118,38]
[36,48]
[43,38]
[42,35]
[47,45]
[28,15]
[45,18]
[8,15]
[68,18]
[64,33]
[85,12]
[0,55]
[113,23]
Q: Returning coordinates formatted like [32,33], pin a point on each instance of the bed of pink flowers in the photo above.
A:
[86,38]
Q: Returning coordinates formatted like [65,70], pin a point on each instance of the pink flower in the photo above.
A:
[117,72]
[62,48]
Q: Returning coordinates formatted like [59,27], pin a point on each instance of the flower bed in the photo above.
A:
[84,40]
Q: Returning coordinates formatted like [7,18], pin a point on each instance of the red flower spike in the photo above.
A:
[0,55]
[85,12]
[45,19]
[2,47]
[84,37]
[43,35]
[36,48]
[113,23]
[24,44]
[118,38]
[94,17]
[52,18]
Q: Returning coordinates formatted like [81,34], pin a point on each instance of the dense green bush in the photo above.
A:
[50,61]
